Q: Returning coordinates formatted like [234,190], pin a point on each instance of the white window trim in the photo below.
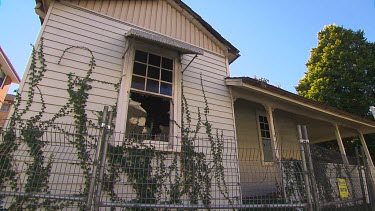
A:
[263,113]
[123,99]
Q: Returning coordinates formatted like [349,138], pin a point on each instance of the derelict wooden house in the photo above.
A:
[143,51]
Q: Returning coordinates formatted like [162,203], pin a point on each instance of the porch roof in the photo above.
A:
[331,114]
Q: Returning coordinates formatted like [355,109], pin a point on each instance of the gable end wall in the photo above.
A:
[159,16]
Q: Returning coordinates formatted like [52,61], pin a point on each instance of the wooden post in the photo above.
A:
[341,145]
[310,166]
[271,124]
[365,149]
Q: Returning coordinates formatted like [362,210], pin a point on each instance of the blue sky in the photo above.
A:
[274,37]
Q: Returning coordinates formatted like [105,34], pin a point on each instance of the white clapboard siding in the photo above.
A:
[58,92]
[221,114]
[85,39]
[78,55]
[208,62]
[59,80]
[199,62]
[92,101]
[209,95]
[98,56]
[54,73]
[208,88]
[206,71]
[212,82]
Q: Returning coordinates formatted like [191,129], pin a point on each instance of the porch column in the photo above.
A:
[364,145]
[269,111]
[341,145]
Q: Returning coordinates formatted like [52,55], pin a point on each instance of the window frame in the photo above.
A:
[264,114]
[175,98]
[146,77]
[5,78]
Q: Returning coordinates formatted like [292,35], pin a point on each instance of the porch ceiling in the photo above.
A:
[265,94]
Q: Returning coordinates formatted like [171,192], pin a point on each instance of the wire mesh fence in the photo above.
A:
[340,186]
[43,168]
[58,168]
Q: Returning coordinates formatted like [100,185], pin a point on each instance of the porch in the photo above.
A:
[267,119]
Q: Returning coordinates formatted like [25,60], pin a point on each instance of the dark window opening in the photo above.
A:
[148,115]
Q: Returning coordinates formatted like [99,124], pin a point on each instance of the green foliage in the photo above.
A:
[341,71]
[293,180]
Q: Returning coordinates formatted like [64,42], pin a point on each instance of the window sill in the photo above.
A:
[163,146]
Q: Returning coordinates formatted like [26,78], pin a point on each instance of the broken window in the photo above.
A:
[150,100]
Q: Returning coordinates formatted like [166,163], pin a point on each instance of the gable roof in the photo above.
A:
[42,7]
[275,92]
[8,68]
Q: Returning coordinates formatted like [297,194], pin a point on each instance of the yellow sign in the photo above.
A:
[343,189]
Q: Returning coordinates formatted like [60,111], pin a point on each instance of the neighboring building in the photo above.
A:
[5,108]
[153,46]
[8,75]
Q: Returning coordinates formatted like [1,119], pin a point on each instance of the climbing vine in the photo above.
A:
[155,176]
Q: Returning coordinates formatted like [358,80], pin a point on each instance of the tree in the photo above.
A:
[341,71]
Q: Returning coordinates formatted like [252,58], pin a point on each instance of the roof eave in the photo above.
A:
[41,8]
[231,48]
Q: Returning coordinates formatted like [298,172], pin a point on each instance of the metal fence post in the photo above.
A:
[361,178]
[96,160]
[311,169]
[102,162]
[304,167]
[369,180]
